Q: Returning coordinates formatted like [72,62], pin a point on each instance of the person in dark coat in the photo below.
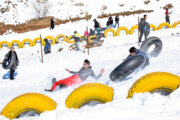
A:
[12,55]
[47,48]
[78,76]
[141,27]
[52,23]
[116,21]
[110,22]
[97,26]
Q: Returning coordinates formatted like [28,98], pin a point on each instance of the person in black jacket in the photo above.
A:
[47,48]
[142,27]
[110,20]
[116,21]
[52,23]
[12,55]
[97,26]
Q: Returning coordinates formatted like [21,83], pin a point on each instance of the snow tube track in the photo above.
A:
[28,102]
[89,92]
[156,81]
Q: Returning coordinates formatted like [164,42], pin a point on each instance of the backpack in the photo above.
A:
[146,29]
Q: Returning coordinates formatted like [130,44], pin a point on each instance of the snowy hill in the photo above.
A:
[33,76]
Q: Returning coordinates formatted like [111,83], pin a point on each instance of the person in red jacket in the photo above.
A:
[78,77]
[167,15]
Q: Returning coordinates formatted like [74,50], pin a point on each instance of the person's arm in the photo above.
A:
[73,72]
[97,77]
[127,57]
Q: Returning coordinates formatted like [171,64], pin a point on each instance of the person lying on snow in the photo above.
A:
[78,77]
[133,51]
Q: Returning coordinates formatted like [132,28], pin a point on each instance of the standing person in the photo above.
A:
[167,16]
[116,21]
[12,56]
[79,76]
[143,27]
[52,23]
[111,25]
[97,26]
[47,48]
[77,39]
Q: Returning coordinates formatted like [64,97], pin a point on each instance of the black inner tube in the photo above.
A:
[148,43]
[127,67]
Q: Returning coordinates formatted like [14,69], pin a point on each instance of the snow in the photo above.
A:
[33,76]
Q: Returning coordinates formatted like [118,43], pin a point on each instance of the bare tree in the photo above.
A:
[40,8]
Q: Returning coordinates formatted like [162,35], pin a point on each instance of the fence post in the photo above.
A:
[41,49]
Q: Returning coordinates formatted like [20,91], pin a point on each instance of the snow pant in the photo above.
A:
[97,30]
[117,23]
[141,34]
[70,81]
[12,73]
[77,46]
[167,19]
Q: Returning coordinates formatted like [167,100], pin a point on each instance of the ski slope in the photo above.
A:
[35,77]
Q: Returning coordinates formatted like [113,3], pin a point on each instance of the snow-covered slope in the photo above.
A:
[33,76]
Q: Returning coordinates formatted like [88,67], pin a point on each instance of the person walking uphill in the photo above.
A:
[78,77]
[77,39]
[116,21]
[52,23]
[12,55]
[97,26]
[167,15]
[144,28]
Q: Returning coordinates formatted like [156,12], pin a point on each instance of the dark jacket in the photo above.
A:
[141,24]
[117,19]
[110,20]
[52,23]
[47,48]
[96,24]
[85,73]
[13,57]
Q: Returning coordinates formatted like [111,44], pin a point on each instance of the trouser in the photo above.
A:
[141,34]
[77,46]
[11,73]
[117,23]
[97,30]
[70,81]
[167,19]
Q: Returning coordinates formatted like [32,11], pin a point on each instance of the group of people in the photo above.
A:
[77,77]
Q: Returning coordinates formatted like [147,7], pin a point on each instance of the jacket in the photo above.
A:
[85,73]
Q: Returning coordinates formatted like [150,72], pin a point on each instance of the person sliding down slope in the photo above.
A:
[133,51]
[78,77]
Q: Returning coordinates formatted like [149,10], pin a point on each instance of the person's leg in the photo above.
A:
[141,34]
[11,74]
[118,24]
[72,80]
[115,25]
[77,46]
